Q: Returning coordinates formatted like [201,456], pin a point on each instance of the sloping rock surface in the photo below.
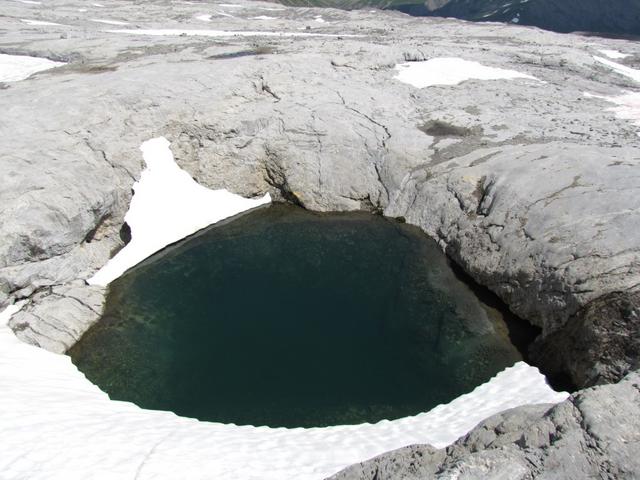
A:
[593,434]
[531,186]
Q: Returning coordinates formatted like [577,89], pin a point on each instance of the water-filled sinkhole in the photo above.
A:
[284,317]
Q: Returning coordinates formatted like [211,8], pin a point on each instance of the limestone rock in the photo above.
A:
[530,185]
[58,316]
[593,434]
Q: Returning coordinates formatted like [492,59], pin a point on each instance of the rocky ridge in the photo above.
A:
[579,438]
[530,186]
[616,17]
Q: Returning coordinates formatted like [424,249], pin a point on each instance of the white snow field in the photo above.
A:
[39,22]
[108,22]
[168,205]
[450,71]
[14,68]
[619,68]
[203,17]
[628,104]
[55,424]
[614,54]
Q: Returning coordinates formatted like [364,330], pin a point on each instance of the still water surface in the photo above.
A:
[283,317]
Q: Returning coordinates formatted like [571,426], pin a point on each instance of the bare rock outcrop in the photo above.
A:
[582,437]
[530,185]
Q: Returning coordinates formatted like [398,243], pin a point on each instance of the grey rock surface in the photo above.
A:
[593,434]
[529,185]
[57,316]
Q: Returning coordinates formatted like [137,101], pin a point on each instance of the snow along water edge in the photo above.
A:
[168,206]
[58,425]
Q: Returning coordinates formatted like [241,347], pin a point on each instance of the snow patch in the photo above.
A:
[99,5]
[319,19]
[224,14]
[450,71]
[628,106]
[38,22]
[55,421]
[615,54]
[263,17]
[168,206]
[108,22]
[14,68]
[619,68]
[8,312]
[225,33]
[203,18]
[30,2]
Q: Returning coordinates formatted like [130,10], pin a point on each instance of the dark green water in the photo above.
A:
[288,318]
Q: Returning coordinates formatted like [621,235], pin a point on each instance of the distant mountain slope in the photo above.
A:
[620,17]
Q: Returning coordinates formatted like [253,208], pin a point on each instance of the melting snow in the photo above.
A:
[619,68]
[18,67]
[168,206]
[37,22]
[628,106]
[224,14]
[207,17]
[614,54]
[450,71]
[108,22]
